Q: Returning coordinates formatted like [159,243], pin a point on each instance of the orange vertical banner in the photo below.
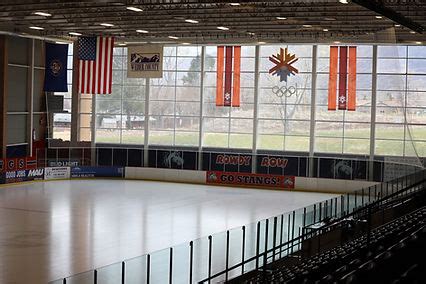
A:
[237,75]
[352,79]
[332,80]
[219,76]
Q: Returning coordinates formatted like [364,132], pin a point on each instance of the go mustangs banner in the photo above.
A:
[247,179]
[145,61]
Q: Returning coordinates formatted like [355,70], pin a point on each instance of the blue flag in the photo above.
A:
[55,77]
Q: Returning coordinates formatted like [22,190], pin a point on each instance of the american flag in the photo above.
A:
[95,65]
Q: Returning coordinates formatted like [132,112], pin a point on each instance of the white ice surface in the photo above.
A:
[50,230]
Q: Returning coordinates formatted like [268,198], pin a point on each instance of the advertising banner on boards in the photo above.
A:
[52,173]
[248,179]
[17,164]
[24,175]
[91,172]
[63,163]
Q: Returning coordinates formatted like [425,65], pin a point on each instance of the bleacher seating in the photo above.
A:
[391,253]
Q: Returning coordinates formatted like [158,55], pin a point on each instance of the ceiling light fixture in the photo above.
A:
[107,25]
[191,21]
[234,4]
[418,42]
[134,9]
[329,19]
[223,28]
[142,31]
[36,28]
[261,42]
[44,14]
[74,34]
[186,43]
[397,25]
[173,37]
[250,33]
[307,26]
[122,44]
[337,42]
[281,18]
[344,1]
[379,17]
[325,30]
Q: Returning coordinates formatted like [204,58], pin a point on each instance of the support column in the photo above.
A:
[30,98]
[200,132]
[146,123]
[313,110]
[3,95]
[256,107]
[93,131]
[373,113]
[75,104]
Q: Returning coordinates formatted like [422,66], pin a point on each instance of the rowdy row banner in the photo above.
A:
[262,180]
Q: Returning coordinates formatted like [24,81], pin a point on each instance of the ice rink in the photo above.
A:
[50,230]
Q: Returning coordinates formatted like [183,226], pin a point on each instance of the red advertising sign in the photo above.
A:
[21,163]
[30,163]
[274,162]
[15,164]
[233,160]
[11,164]
[261,180]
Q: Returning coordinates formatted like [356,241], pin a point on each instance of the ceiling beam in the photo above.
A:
[389,13]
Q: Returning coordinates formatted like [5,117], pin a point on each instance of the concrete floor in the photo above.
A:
[50,230]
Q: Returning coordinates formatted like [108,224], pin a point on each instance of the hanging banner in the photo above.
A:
[332,80]
[55,75]
[248,179]
[145,61]
[343,74]
[344,59]
[228,76]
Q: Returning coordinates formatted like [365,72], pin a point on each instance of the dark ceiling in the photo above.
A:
[250,21]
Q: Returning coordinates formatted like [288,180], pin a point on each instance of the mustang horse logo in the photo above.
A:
[173,158]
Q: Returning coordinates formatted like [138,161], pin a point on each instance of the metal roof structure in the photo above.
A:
[197,22]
